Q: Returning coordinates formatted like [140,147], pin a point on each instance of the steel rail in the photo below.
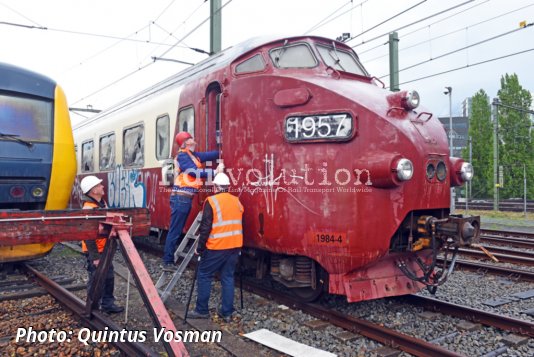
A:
[96,321]
[368,329]
[514,242]
[507,258]
[508,251]
[507,233]
[519,274]
[472,314]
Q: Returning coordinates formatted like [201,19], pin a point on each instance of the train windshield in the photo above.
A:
[25,119]
[297,55]
[341,60]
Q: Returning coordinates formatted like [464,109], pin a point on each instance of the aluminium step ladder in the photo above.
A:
[185,251]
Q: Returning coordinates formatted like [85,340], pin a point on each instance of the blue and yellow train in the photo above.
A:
[37,155]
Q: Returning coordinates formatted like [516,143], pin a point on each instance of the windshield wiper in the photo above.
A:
[335,56]
[280,53]
[16,138]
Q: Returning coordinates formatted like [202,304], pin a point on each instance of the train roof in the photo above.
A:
[20,80]
[212,63]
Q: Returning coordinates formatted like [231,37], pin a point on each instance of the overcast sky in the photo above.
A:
[82,49]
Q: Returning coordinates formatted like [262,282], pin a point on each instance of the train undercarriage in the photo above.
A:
[422,254]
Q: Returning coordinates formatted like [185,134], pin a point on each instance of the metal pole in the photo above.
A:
[215,26]
[191,291]
[394,62]
[469,183]
[471,161]
[525,189]
[495,156]
[449,92]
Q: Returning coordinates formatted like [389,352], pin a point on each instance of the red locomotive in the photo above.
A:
[346,186]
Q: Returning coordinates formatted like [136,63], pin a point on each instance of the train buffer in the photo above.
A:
[184,253]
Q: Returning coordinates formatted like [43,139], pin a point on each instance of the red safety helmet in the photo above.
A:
[181,137]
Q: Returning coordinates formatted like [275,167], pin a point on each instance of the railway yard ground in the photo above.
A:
[331,325]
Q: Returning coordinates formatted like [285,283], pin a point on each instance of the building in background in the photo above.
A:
[460,130]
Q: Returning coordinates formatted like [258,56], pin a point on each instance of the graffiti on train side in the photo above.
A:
[132,188]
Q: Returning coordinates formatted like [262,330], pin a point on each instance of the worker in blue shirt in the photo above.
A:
[189,177]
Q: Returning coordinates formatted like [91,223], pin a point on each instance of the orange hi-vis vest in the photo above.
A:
[100,242]
[184,179]
[227,229]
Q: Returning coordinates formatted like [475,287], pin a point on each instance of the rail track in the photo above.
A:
[391,337]
[97,321]
[508,205]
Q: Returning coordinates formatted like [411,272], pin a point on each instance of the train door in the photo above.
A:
[213,117]
[213,139]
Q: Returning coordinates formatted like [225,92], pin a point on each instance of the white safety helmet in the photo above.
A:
[88,183]
[221,179]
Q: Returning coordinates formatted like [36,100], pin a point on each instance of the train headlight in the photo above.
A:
[37,192]
[430,171]
[411,100]
[466,171]
[441,171]
[404,169]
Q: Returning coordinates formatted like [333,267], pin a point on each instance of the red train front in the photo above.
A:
[338,173]
[346,186]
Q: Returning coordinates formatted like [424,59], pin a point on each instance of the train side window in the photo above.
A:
[293,56]
[87,156]
[133,153]
[107,152]
[186,120]
[162,137]
[253,64]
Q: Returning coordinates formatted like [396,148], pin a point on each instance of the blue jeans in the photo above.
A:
[223,261]
[107,299]
[180,208]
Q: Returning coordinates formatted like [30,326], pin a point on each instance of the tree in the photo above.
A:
[516,142]
[480,132]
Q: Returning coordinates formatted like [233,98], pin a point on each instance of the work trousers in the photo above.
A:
[107,298]
[180,208]
[211,261]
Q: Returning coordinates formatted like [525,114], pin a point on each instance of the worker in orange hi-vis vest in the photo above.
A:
[190,174]
[93,191]
[219,245]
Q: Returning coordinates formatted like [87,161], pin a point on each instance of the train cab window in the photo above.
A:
[293,56]
[162,137]
[26,119]
[253,64]
[341,60]
[87,156]
[107,152]
[134,146]
[186,120]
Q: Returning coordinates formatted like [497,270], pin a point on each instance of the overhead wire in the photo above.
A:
[21,15]
[432,24]
[413,23]
[321,24]
[194,29]
[83,33]
[171,34]
[468,66]
[461,49]
[150,63]
[137,32]
[386,20]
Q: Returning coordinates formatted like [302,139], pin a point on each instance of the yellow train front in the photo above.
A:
[37,158]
